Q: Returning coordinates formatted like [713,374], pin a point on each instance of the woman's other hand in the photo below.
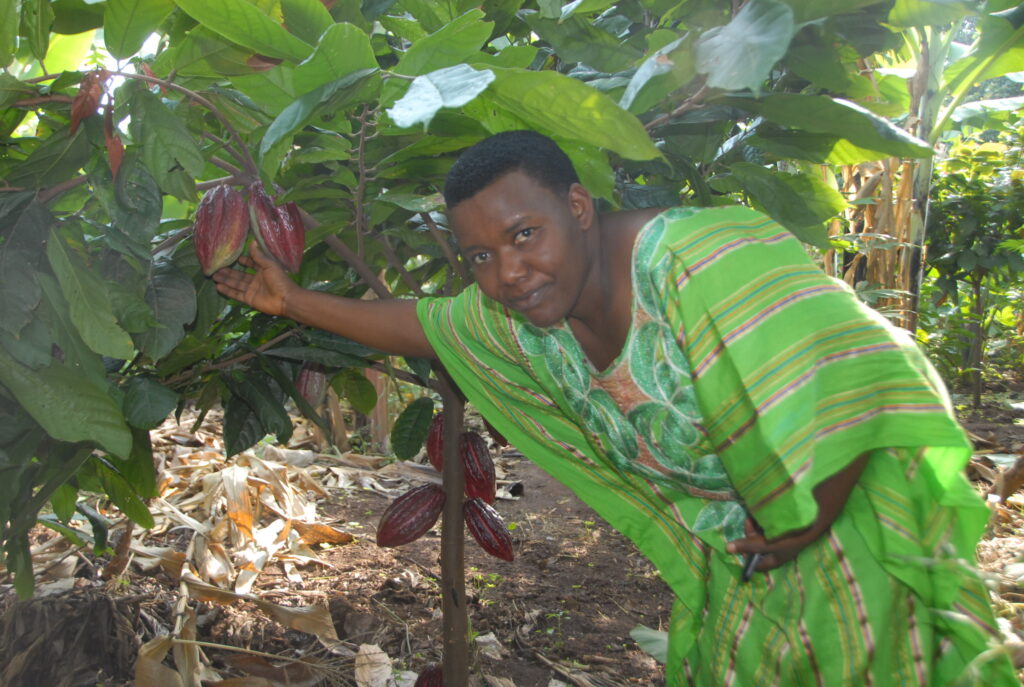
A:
[266,289]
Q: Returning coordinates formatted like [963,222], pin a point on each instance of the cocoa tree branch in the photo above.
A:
[46,195]
[360,191]
[691,103]
[446,248]
[226,166]
[361,268]
[242,150]
[44,99]
[192,373]
[396,263]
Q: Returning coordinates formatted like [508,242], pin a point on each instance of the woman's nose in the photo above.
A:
[512,268]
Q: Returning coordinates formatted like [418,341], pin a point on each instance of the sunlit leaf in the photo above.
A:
[307,19]
[243,23]
[578,40]
[448,87]
[128,23]
[742,53]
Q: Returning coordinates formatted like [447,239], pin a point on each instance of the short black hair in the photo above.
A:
[527,151]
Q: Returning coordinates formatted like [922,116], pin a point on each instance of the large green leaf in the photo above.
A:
[162,135]
[242,428]
[70,349]
[67,404]
[19,291]
[808,10]
[172,297]
[578,40]
[307,19]
[296,115]
[245,24]
[90,304]
[147,402]
[8,31]
[58,158]
[123,495]
[662,72]
[317,355]
[357,390]
[36,19]
[261,396]
[456,42]
[11,88]
[128,23]
[448,87]
[841,118]
[799,202]
[560,105]
[342,49]
[742,53]
[928,12]
[411,428]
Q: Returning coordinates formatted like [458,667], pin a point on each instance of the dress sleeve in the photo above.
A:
[794,376]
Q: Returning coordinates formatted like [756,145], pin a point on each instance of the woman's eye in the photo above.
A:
[479,258]
[524,234]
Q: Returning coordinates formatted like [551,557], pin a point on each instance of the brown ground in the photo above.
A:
[561,611]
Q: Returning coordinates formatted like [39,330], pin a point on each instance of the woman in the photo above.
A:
[785,458]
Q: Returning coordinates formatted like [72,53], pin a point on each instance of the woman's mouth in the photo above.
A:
[528,300]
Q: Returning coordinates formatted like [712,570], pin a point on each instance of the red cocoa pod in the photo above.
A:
[477,467]
[312,383]
[220,229]
[498,437]
[279,229]
[487,527]
[410,515]
[431,676]
[435,442]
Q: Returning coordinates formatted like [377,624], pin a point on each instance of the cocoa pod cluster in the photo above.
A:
[413,513]
[312,383]
[223,221]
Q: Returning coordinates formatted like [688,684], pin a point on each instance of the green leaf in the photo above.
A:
[584,6]
[63,500]
[560,105]
[128,23]
[799,202]
[261,396]
[137,202]
[123,496]
[357,390]
[245,24]
[147,402]
[342,50]
[138,469]
[172,298]
[654,642]
[456,42]
[165,141]
[578,40]
[36,19]
[819,62]
[448,87]
[808,10]
[411,427]
[99,525]
[742,53]
[91,309]
[67,404]
[906,13]
[841,118]
[11,88]
[307,19]
[663,72]
[19,290]
[57,159]
[242,428]
[296,115]
[8,33]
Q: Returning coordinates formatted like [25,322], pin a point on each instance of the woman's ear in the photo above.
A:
[581,205]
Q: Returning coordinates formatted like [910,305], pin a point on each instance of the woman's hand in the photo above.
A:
[831,496]
[266,290]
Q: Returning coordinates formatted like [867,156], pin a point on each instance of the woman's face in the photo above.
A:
[527,245]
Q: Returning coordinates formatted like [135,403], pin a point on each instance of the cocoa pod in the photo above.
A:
[431,676]
[312,383]
[278,228]
[220,229]
[477,467]
[410,515]
[435,442]
[487,527]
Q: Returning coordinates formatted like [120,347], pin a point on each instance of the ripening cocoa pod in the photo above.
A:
[435,442]
[477,467]
[220,229]
[431,676]
[279,229]
[487,527]
[312,383]
[410,515]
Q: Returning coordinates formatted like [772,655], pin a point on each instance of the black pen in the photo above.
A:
[750,565]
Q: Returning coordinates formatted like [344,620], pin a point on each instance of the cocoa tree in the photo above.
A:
[354,112]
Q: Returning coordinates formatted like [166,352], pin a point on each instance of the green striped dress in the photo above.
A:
[747,378]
